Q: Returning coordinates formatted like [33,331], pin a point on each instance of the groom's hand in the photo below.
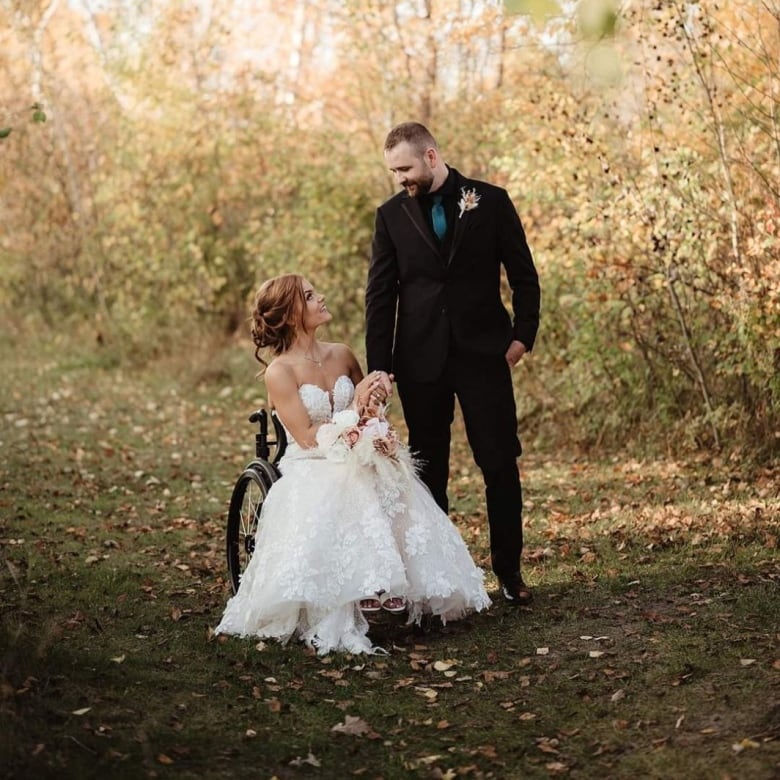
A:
[383,384]
[515,352]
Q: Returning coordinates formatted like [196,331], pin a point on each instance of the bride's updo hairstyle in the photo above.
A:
[277,314]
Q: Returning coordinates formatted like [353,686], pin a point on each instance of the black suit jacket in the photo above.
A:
[424,301]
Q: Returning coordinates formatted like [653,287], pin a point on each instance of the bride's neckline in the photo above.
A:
[324,390]
[332,390]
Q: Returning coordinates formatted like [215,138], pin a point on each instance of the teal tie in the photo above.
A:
[439,218]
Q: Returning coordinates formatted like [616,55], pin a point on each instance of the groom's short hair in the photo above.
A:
[415,134]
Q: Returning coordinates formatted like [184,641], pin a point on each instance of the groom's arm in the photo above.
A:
[521,274]
[381,299]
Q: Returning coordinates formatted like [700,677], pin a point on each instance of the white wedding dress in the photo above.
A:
[335,532]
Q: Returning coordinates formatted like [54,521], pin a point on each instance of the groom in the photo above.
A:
[435,319]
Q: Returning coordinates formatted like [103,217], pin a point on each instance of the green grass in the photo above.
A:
[651,650]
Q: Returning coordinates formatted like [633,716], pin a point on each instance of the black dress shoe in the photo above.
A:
[516,592]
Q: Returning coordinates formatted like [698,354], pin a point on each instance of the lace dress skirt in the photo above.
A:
[334,531]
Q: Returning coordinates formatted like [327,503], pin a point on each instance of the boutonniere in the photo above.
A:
[469,199]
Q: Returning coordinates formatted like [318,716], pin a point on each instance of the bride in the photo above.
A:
[349,528]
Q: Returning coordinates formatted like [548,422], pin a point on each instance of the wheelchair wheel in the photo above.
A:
[246,502]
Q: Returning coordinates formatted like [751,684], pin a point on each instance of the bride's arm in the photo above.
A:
[282,387]
[345,362]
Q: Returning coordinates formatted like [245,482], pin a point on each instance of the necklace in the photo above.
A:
[311,359]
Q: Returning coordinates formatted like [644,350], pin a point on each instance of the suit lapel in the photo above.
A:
[412,208]
[462,222]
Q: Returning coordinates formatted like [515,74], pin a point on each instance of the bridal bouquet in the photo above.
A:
[366,437]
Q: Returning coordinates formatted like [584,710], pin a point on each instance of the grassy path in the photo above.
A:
[653,648]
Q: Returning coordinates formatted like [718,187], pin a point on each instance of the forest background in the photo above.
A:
[159,159]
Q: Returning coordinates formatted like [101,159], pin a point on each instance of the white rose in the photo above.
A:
[346,418]
[327,435]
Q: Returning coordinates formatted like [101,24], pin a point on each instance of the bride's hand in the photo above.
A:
[385,383]
[370,392]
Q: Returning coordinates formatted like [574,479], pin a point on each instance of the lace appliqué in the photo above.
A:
[320,407]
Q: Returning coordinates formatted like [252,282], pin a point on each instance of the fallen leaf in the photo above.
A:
[618,695]
[443,666]
[738,747]
[490,676]
[542,650]
[82,711]
[595,653]
[746,661]
[163,759]
[438,774]
[311,760]
[528,716]
[352,725]
[118,659]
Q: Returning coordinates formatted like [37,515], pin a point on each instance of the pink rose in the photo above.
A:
[351,436]
[387,446]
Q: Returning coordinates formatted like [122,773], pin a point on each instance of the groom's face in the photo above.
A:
[411,170]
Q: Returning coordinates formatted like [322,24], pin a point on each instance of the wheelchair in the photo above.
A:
[250,492]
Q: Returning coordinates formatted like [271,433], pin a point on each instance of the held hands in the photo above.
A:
[373,391]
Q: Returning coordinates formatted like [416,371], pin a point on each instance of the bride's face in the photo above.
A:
[315,312]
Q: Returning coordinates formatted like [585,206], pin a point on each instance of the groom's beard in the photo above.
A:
[418,187]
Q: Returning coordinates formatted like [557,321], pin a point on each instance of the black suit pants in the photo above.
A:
[483,387]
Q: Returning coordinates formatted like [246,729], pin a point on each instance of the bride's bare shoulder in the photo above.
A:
[341,352]
[280,374]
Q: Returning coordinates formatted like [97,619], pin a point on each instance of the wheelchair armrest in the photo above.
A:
[281,438]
